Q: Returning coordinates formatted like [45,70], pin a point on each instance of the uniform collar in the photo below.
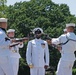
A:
[37,39]
[71,35]
[3,29]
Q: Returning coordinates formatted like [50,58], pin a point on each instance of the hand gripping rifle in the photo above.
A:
[49,41]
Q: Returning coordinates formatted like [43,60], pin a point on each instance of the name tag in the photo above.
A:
[43,45]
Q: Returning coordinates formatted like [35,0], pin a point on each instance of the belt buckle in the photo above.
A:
[15,51]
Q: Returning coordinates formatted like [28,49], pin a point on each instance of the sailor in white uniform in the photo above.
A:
[5,61]
[59,47]
[15,56]
[37,54]
[68,42]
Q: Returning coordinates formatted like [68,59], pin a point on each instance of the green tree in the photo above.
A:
[3,8]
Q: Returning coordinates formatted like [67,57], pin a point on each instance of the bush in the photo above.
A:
[23,68]
[74,71]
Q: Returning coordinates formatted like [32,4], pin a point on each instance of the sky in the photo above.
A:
[70,3]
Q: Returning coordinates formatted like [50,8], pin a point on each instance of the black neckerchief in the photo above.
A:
[3,29]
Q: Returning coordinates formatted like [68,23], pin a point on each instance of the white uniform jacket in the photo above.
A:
[69,48]
[37,53]
[15,50]
[4,45]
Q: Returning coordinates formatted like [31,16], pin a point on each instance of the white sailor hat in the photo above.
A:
[65,30]
[10,30]
[3,20]
[37,29]
[70,24]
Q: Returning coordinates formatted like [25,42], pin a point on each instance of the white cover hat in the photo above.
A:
[65,30]
[37,29]
[10,30]
[70,24]
[3,20]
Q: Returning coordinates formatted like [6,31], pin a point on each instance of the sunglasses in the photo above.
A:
[37,32]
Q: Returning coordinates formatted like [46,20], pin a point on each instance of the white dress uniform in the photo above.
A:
[5,61]
[15,56]
[38,55]
[67,59]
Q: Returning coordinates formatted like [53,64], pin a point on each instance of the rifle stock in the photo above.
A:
[12,45]
[22,39]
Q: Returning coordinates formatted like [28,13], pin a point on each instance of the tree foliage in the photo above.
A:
[3,8]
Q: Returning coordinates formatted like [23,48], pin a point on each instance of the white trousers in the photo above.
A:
[37,71]
[1,71]
[15,64]
[64,67]
[6,66]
